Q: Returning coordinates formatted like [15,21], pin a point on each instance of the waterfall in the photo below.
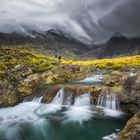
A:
[62,98]
[83,100]
[109,101]
[58,99]
[37,99]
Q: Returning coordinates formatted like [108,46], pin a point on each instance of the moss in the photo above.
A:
[38,63]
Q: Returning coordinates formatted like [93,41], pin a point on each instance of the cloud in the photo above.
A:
[92,20]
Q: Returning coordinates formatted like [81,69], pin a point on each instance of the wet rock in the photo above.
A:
[132,129]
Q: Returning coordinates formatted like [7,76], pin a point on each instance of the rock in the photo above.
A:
[68,73]
[29,84]
[115,78]
[8,94]
[130,95]
[18,73]
[132,129]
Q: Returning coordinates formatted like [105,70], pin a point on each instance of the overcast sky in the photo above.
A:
[93,20]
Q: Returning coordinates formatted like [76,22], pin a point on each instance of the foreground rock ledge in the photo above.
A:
[132,129]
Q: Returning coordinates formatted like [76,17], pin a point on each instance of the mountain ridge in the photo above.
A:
[58,42]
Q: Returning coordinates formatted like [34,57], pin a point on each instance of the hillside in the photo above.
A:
[52,42]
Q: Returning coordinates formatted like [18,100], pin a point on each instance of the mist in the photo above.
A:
[90,21]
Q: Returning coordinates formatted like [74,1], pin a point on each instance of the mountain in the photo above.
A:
[116,46]
[52,42]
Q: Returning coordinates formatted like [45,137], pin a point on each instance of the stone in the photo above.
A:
[29,84]
[132,129]
[130,95]
[114,78]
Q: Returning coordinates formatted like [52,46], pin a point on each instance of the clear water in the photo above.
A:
[36,121]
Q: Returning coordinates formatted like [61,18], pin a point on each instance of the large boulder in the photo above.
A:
[29,84]
[114,78]
[8,94]
[132,129]
[130,95]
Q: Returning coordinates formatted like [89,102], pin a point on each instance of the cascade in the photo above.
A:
[58,99]
[67,99]
[83,100]
[109,101]
[37,99]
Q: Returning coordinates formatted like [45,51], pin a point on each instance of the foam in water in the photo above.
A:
[74,112]
[109,101]
[45,120]
[94,78]
[21,112]
[78,114]
[48,108]
[112,113]
[111,137]
[79,111]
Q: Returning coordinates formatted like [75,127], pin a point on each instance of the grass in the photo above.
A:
[37,62]
[9,57]
[112,63]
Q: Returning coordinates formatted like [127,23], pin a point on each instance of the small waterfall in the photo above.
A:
[83,100]
[62,98]
[109,101]
[58,99]
[37,99]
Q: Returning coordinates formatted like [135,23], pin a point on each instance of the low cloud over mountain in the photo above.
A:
[92,21]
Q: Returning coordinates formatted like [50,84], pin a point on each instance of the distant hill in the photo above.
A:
[53,42]
[116,46]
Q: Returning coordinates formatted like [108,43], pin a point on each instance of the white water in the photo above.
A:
[83,100]
[58,99]
[109,101]
[94,78]
[66,99]
[111,137]
[37,99]
[78,114]
[41,118]
[80,111]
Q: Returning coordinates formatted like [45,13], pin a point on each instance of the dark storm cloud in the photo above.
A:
[92,20]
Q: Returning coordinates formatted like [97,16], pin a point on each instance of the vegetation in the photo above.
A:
[112,63]
[37,62]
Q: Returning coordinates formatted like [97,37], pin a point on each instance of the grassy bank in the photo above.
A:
[112,63]
[39,62]
[12,57]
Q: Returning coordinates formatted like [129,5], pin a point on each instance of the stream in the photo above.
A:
[64,118]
